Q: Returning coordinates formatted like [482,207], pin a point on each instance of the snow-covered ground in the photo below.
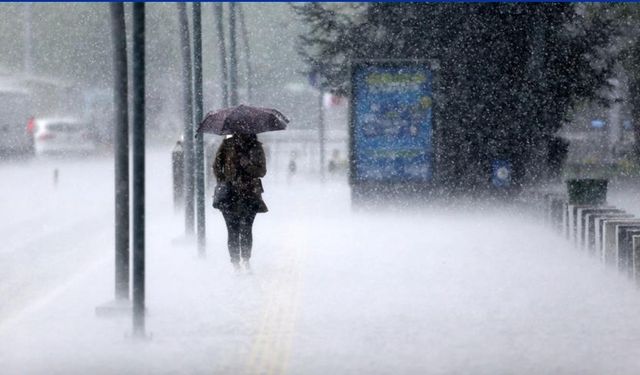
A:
[334,291]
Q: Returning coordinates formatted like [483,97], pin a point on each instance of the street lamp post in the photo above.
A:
[121,149]
[138,171]
[28,38]
[233,56]
[188,119]
[222,50]
[199,146]
[247,53]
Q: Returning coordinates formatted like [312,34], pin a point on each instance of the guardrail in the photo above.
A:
[605,232]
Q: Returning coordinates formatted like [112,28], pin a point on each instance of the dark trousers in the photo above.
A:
[239,236]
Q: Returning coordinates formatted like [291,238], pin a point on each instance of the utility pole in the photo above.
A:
[138,171]
[188,120]
[199,149]
[218,11]
[233,56]
[121,150]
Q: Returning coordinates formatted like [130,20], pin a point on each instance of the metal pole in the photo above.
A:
[247,53]
[121,149]
[218,11]
[233,57]
[28,39]
[321,133]
[188,119]
[199,149]
[138,171]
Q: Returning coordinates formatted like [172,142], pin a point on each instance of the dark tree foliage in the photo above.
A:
[634,94]
[508,72]
[627,18]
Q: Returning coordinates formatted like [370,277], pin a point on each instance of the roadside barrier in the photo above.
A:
[594,227]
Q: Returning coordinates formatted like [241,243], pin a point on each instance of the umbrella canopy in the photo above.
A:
[243,119]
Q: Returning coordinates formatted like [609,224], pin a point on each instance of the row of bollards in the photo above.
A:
[592,226]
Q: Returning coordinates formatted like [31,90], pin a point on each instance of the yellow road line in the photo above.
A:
[273,342]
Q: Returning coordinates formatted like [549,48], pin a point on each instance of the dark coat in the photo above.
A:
[242,163]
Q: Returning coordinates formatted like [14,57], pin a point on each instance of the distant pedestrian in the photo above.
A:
[334,161]
[293,165]
[240,162]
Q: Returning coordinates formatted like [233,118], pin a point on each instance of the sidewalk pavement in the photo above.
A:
[341,292]
[202,316]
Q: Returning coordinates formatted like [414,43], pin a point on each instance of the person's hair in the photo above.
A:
[247,137]
[246,141]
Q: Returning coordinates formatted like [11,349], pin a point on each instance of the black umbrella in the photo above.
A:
[243,119]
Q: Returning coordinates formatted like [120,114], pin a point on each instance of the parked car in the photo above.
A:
[62,135]
[15,109]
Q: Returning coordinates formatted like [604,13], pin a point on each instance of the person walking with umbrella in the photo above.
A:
[239,165]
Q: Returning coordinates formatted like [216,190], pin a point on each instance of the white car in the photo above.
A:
[62,135]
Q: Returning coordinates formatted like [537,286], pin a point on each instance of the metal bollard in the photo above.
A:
[177,166]
[624,246]
[610,251]
[635,243]
[599,222]
[581,216]
[588,226]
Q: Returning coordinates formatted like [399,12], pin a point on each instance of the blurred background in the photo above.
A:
[553,88]
[58,68]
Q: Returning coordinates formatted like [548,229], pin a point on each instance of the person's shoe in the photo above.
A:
[246,265]
[236,266]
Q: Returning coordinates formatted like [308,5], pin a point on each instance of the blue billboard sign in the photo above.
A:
[391,123]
